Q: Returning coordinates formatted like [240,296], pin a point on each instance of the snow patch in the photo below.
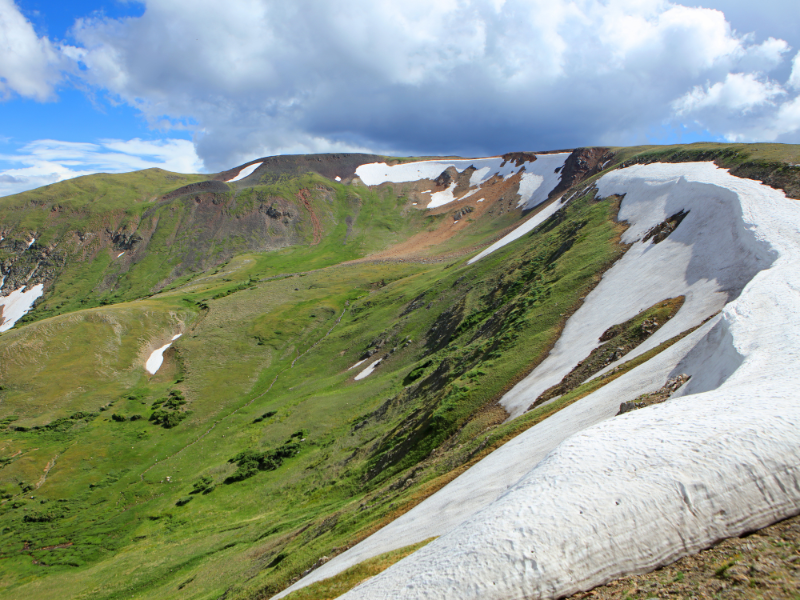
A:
[540,178]
[30,243]
[526,227]
[361,362]
[443,197]
[247,171]
[14,306]
[368,371]
[120,254]
[538,185]
[156,359]
[337,178]
[708,258]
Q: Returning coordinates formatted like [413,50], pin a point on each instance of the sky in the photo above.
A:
[91,86]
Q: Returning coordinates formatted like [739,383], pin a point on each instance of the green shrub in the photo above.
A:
[167,419]
[266,415]
[204,485]
[251,462]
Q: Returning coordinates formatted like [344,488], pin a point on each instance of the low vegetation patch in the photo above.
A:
[333,587]
[251,462]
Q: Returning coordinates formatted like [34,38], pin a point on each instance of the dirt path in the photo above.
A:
[261,395]
[51,463]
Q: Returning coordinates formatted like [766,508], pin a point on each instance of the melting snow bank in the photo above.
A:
[539,177]
[247,171]
[156,359]
[368,371]
[599,496]
[526,227]
[16,304]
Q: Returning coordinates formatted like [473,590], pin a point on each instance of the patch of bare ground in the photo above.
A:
[497,196]
[761,565]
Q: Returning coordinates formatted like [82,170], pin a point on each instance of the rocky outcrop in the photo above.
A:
[582,163]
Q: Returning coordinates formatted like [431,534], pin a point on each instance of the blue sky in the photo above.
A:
[199,85]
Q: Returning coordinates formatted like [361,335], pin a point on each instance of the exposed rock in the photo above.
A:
[661,231]
[445,178]
[461,212]
[656,397]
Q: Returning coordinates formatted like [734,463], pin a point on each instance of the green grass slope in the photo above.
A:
[254,452]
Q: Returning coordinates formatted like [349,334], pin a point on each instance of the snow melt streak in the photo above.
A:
[368,371]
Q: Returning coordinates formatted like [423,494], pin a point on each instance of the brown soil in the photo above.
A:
[765,564]
[499,196]
[303,196]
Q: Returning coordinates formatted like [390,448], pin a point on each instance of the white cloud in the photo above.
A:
[794,78]
[30,66]
[739,93]
[48,161]
[261,77]
[453,76]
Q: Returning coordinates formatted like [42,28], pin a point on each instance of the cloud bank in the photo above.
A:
[470,77]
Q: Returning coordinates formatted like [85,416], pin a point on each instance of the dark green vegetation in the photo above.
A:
[253,452]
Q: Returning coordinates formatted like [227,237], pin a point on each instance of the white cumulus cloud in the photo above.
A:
[259,77]
[30,66]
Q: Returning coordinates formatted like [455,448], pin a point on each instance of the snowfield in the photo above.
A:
[246,172]
[538,179]
[14,306]
[156,359]
[583,498]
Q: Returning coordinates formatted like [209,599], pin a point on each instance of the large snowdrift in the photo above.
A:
[636,491]
[14,306]
[539,177]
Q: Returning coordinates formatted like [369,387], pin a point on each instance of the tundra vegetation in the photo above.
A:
[253,452]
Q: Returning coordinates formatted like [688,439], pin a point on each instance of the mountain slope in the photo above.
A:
[332,375]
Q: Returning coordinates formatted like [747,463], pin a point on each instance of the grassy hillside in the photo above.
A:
[254,452]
